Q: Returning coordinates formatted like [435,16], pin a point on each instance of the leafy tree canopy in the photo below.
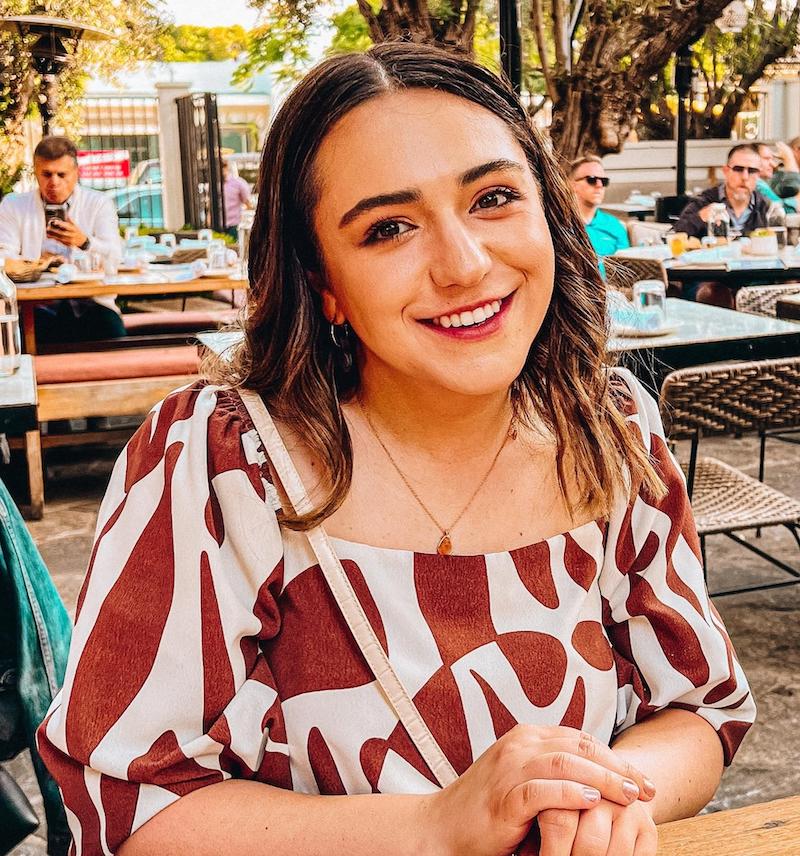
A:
[136,28]
[188,43]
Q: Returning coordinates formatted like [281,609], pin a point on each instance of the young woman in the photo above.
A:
[426,329]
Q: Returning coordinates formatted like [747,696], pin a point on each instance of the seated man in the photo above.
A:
[606,232]
[779,185]
[746,207]
[88,221]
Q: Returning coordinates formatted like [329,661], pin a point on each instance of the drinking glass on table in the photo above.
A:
[677,243]
[169,241]
[217,255]
[131,233]
[205,235]
[650,299]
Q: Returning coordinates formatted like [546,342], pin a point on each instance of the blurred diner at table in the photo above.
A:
[63,222]
[746,209]
[607,234]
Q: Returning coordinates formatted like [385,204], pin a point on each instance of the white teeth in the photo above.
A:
[470,318]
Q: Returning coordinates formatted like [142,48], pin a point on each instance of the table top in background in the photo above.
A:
[19,389]
[697,323]
[57,291]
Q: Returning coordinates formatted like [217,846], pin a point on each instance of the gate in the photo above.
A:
[201,161]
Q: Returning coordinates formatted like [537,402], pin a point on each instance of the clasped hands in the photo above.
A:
[588,800]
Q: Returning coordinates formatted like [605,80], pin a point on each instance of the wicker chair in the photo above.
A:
[762,299]
[735,399]
[623,272]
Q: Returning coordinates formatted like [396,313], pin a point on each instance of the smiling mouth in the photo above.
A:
[471,317]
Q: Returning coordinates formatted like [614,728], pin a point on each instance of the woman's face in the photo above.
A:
[434,242]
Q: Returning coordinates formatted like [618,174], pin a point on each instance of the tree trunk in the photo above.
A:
[624,46]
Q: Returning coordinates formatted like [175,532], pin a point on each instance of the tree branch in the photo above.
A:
[537,19]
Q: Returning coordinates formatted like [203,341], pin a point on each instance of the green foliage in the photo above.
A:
[135,27]
[726,66]
[188,43]
[351,33]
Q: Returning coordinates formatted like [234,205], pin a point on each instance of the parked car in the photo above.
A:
[146,172]
[139,205]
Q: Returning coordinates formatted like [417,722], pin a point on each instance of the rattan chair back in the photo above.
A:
[732,398]
[622,272]
[762,299]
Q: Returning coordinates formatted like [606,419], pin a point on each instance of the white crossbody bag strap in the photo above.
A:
[342,590]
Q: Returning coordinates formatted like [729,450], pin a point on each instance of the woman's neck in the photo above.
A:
[439,424]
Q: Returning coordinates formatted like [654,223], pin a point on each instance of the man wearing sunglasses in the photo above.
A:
[589,181]
[747,209]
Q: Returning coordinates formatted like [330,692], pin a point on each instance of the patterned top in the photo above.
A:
[207,645]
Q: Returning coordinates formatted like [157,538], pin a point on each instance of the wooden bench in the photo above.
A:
[100,383]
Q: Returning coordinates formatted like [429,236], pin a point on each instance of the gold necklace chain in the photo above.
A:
[445,544]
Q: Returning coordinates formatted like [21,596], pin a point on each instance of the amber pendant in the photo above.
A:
[445,545]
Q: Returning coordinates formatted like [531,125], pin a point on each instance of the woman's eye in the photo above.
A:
[497,198]
[387,230]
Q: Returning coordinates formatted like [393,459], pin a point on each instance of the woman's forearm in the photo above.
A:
[248,817]
[682,754]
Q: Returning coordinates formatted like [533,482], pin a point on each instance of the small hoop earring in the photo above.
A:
[341,336]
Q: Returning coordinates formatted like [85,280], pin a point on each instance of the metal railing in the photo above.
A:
[119,155]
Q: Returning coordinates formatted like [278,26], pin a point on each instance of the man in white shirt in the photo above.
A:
[87,221]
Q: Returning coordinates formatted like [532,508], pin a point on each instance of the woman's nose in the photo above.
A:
[459,257]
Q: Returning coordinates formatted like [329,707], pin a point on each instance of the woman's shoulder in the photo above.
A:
[636,404]
[201,423]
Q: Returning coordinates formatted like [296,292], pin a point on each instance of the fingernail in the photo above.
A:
[649,787]
[630,790]
[591,794]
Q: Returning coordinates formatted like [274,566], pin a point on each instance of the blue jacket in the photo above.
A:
[43,636]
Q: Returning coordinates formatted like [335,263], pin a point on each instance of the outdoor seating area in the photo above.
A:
[408,417]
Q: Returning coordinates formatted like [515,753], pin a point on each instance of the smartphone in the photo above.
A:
[54,212]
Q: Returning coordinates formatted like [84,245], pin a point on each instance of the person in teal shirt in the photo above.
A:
[607,234]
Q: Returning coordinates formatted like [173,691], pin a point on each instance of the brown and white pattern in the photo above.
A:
[207,645]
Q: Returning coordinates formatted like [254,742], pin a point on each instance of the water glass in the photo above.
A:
[131,233]
[650,300]
[217,255]
[206,236]
[169,241]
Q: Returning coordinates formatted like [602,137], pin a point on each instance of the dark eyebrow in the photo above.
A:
[398,198]
[401,197]
[500,165]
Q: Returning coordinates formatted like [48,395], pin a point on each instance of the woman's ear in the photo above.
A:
[330,307]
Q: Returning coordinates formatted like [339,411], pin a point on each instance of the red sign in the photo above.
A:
[108,164]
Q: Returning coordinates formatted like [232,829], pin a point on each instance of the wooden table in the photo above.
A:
[789,307]
[767,829]
[705,334]
[18,403]
[30,296]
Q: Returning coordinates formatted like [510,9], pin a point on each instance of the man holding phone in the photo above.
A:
[58,219]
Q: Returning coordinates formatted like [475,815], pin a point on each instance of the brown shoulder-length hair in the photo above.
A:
[288,355]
